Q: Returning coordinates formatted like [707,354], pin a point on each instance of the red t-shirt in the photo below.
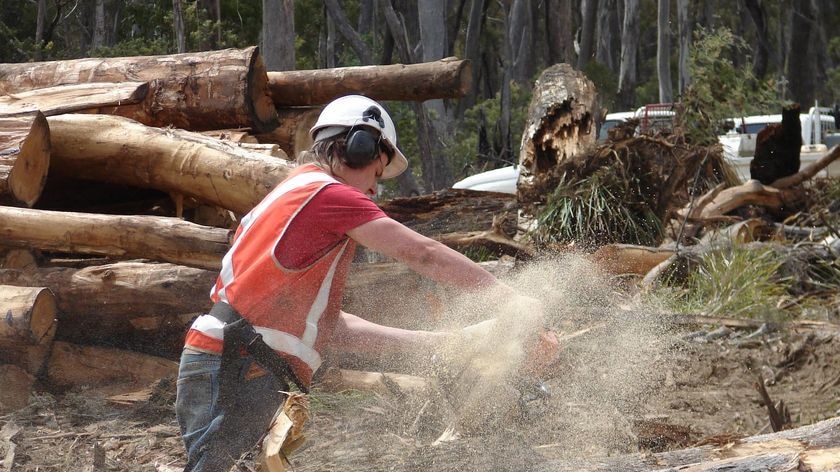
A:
[323,223]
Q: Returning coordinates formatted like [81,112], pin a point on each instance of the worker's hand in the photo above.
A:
[542,354]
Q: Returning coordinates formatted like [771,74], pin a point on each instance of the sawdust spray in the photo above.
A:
[608,368]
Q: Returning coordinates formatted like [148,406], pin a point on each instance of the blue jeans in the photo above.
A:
[217,435]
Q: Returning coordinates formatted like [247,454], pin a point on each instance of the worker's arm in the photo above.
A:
[354,334]
[424,255]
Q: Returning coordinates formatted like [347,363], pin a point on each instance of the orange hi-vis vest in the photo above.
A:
[295,310]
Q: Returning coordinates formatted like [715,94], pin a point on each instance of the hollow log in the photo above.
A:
[118,150]
[560,125]
[814,447]
[106,370]
[24,157]
[446,78]
[197,91]
[74,97]
[292,135]
[149,237]
[128,290]
[29,314]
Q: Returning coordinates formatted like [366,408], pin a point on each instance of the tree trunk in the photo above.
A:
[663,51]
[28,315]
[109,371]
[117,150]
[446,78]
[131,237]
[801,63]
[560,125]
[559,31]
[122,290]
[98,24]
[17,386]
[606,27]
[758,15]
[278,34]
[24,157]
[520,35]
[40,18]
[62,99]
[180,29]
[629,53]
[195,91]
[587,34]
[472,54]
[355,41]
[684,24]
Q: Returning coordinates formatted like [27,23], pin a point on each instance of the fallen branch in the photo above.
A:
[808,172]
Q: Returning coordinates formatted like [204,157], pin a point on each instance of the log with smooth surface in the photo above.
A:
[446,78]
[118,150]
[24,156]
[149,237]
[197,90]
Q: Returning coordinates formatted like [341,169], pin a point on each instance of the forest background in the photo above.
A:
[725,58]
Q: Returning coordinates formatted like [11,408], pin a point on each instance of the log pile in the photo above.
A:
[123,180]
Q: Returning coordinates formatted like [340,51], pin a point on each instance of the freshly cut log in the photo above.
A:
[28,315]
[124,289]
[74,97]
[560,125]
[815,448]
[118,150]
[16,258]
[17,386]
[109,371]
[24,156]
[383,383]
[292,135]
[629,259]
[285,434]
[446,78]
[197,91]
[150,237]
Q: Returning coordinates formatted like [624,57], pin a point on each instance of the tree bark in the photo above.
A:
[149,237]
[98,24]
[684,23]
[559,31]
[63,99]
[520,35]
[29,314]
[606,28]
[801,63]
[445,78]
[180,29]
[587,35]
[663,51]
[122,290]
[195,91]
[24,157]
[560,124]
[629,53]
[117,150]
[278,34]
[17,386]
[472,53]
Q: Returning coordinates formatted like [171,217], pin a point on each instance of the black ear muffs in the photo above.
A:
[362,147]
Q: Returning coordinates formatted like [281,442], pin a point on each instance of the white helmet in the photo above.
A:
[353,110]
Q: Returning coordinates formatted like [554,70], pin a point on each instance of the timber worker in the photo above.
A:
[277,298]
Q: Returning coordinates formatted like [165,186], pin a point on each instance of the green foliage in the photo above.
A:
[595,211]
[732,282]
[463,147]
[606,82]
[720,89]
[831,91]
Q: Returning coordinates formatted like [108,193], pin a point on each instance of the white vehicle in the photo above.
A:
[496,180]
[611,121]
[739,143]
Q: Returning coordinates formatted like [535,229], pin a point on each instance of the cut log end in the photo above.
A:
[26,167]
[29,314]
[264,114]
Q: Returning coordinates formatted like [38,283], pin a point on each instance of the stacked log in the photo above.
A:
[151,161]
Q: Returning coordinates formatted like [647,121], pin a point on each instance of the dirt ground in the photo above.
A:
[702,384]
